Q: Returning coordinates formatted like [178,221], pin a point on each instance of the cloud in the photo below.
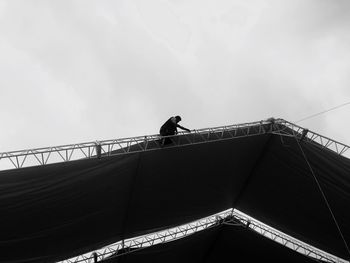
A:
[120,68]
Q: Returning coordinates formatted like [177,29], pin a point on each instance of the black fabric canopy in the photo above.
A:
[283,193]
[61,210]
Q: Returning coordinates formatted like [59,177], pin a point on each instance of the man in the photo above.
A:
[170,128]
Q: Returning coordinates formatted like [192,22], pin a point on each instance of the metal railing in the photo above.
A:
[286,240]
[101,149]
[133,244]
[230,217]
[310,136]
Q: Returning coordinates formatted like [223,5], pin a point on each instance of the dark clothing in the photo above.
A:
[170,127]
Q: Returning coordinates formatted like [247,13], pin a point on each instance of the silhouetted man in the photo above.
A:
[170,128]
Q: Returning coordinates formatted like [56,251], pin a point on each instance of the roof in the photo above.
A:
[56,211]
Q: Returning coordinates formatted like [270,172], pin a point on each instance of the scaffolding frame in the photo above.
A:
[100,149]
[105,148]
[232,217]
[290,129]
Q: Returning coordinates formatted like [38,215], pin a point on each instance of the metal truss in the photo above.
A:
[231,217]
[291,129]
[133,244]
[101,149]
[286,240]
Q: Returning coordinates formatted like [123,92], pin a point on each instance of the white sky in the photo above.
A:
[77,71]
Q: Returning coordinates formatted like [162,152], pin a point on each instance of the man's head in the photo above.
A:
[178,119]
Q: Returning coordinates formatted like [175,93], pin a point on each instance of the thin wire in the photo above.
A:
[324,196]
[322,112]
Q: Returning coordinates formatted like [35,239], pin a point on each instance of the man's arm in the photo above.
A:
[183,128]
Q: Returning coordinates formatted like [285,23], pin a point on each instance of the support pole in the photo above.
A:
[95,257]
[304,133]
[98,149]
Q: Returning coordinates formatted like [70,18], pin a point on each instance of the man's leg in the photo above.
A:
[166,141]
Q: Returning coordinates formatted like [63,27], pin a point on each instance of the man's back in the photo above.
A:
[169,127]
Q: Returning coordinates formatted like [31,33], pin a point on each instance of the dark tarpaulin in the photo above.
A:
[283,193]
[57,211]
[54,211]
[223,243]
[61,210]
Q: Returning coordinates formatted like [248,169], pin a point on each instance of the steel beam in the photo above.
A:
[100,149]
[232,217]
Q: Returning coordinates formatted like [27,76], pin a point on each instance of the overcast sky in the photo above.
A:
[78,71]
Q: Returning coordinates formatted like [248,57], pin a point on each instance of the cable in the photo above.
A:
[322,112]
[324,196]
